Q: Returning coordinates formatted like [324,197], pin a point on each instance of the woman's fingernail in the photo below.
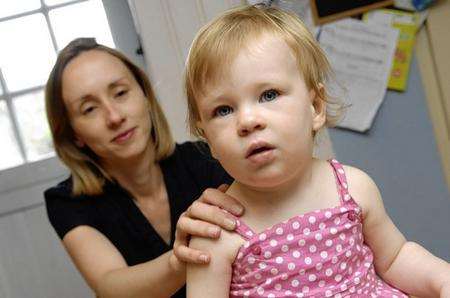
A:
[230,223]
[213,231]
[237,210]
[204,258]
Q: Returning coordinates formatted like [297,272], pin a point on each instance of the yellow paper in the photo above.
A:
[407,24]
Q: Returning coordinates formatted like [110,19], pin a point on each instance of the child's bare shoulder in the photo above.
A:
[226,246]
[362,188]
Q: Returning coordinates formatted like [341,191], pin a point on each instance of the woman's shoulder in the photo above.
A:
[195,156]
[59,198]
[194,159]
[62,189]
[66,211]
[194,149]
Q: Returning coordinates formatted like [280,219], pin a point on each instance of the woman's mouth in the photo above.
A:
[124,136]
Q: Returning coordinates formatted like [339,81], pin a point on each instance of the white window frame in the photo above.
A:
[44,170]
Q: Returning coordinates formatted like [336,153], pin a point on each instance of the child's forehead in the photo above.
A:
[265,49]
[266,56]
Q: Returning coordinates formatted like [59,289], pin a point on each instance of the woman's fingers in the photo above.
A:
[196,227]
[185,254]
[203,219]
[189,255]
[223,187]
[210,214]
[219,198]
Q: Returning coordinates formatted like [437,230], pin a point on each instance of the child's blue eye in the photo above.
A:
[222,111]
[269,95]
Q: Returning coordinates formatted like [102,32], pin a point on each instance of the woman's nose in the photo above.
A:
[114,115]
[250,121]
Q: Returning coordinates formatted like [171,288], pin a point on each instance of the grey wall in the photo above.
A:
[123,30]
[400,154]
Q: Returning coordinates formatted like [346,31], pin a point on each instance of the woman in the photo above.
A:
[121,215]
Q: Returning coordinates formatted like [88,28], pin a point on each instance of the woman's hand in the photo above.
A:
[203,218]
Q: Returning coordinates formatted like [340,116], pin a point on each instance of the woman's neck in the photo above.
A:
[142,176]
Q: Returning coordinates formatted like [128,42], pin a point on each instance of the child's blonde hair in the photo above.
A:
[219,42]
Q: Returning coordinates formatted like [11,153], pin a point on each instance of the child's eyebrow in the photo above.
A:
[211,102]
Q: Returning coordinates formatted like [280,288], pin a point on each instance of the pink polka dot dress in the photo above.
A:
[317,254]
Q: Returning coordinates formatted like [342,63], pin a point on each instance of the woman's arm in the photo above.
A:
[107,273]
[406,265]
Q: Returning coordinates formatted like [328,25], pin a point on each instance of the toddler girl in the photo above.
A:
[255,83]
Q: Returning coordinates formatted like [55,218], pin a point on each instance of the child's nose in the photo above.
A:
[249,122]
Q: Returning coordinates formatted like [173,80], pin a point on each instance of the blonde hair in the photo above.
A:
[220,41]
[88,177]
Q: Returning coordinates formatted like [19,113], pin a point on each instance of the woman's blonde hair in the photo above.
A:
[88,177]
[219,42]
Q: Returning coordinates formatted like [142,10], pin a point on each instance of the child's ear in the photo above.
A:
[318,108]
[199,125]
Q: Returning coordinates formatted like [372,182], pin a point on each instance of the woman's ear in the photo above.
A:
[78,142]
[318,108]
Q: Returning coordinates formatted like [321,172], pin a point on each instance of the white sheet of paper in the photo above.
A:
[361,56]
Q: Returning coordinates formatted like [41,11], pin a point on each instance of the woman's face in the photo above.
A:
[107,108]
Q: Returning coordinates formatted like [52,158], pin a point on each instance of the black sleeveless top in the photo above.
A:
[187,172]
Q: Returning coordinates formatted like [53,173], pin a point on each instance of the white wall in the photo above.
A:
[167,28]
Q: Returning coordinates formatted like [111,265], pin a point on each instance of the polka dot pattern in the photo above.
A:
[318,254]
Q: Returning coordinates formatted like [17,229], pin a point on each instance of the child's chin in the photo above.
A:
[265,182]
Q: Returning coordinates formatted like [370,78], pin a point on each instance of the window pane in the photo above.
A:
[55,2]
[26,53]
[30,110]
[86,19]
[9,150]
[8,7]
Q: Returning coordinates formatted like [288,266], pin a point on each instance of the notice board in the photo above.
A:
[325,11]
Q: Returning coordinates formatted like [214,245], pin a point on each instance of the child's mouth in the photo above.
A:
[260,152]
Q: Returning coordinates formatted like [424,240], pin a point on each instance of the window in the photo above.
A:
[31,34]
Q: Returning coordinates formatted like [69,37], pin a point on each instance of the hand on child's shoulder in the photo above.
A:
[226,246]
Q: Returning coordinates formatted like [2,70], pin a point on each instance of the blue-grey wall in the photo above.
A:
[400,154]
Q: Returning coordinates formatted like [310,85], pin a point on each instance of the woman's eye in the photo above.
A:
[269,95]
[88,110]
[222,111]
[121,93]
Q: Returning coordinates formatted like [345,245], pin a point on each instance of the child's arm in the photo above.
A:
[213,279]
[405,265]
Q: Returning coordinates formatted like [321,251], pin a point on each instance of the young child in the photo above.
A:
[255,84]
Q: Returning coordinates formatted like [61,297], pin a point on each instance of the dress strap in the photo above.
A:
[341,180]
[241,228]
